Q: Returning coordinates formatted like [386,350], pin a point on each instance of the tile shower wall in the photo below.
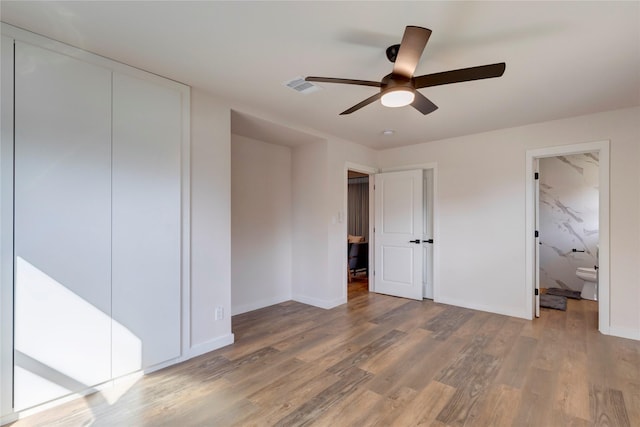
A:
[568,218]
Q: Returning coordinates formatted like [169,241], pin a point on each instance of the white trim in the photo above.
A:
[360,168]
[206,347]
[158,366]
[632,334]
[185,217]
[320,303]
[485,308]
[436,221]
[259,304]
[602,147]
[9,418]
[430,165]
[6,233]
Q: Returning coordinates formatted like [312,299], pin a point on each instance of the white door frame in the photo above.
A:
[369,170]
[6,235]
[433,166]
[602,147]
[536,226]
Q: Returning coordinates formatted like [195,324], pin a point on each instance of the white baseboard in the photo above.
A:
[480,307]
[208,346]
[162,365]
[244,308]
[632,334]
[8,418]
[326,304]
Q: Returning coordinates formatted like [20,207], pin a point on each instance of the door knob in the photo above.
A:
[428,241]
[414,241]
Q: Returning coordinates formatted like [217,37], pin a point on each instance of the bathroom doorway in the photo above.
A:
[568,200]
[568,224]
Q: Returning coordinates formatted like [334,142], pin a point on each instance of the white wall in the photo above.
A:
[210,223]
[319,220]
[310,260]
[261,224]
[481,203]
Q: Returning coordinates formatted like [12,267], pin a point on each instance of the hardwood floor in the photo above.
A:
[383,361]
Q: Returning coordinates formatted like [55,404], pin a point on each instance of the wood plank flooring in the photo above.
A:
[385,361]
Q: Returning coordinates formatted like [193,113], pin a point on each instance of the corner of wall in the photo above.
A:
[210,224]
[320,303]
[310,213]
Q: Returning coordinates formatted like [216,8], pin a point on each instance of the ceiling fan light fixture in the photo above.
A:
[398,97]
[400,87]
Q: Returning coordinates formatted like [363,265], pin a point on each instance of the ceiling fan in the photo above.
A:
[400,87]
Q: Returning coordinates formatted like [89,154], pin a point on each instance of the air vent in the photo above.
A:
[300,85]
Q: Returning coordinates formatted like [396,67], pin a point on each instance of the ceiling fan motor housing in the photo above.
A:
[392,52]
[392,82]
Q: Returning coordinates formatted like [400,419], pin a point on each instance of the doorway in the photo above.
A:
[427,261]
[568,229]
[536,240]
[358,229]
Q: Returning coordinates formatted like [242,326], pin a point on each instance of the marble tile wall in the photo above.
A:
[568,218]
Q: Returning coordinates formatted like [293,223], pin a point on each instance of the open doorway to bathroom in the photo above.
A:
[577,217]
[568,208]
[358,240]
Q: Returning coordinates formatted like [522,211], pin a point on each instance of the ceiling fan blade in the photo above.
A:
[422,104]
[461,75]
[343,81]
[411,47]
[362,104]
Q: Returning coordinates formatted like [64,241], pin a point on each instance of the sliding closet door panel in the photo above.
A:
[146,224]
[62,225]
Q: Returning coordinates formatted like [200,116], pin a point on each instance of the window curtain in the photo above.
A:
[358,207]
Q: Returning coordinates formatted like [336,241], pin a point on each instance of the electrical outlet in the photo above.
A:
[219,315]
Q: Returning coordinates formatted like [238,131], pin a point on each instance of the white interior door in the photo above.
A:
[399,253]
[536,265]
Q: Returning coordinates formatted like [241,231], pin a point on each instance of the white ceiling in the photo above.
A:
[563,59]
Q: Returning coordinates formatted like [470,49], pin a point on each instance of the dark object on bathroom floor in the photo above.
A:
[564,293]
[556,302]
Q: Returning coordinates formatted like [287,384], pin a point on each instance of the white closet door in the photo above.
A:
[146,224]
[62,225]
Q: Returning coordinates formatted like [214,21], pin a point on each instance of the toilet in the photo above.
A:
[590,287]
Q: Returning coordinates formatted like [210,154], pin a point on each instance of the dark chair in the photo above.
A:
[358,257]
